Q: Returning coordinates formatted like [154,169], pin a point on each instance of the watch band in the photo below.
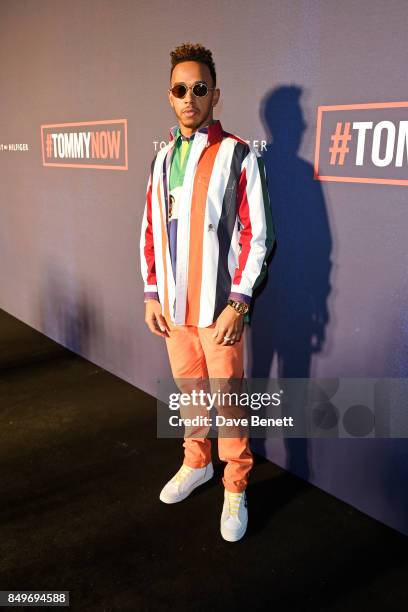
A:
[240,307]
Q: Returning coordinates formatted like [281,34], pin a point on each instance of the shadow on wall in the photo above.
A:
[290,312]
[68,316]
[75,313]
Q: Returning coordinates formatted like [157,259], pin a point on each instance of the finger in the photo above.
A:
[157,323]
[162,322]
[220,338]
[161,326]
[153,327]
[238,333]
[156,332]
[230,337]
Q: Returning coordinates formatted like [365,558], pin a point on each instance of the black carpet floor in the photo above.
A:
[81,471]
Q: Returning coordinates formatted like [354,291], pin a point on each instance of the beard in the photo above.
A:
[195,122]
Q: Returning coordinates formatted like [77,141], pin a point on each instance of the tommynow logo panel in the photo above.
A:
[362,143]
[86,144]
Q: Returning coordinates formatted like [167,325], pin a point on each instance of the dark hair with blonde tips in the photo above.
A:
[188,52]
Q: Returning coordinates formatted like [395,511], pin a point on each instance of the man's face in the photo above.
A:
[192,111]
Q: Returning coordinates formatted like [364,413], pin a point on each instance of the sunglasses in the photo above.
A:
[199,89]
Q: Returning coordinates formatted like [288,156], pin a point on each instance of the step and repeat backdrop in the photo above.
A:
[318,88]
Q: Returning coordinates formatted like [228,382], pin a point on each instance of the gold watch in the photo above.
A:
[239,307]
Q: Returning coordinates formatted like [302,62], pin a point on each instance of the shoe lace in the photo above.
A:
[234,501]
[182,474]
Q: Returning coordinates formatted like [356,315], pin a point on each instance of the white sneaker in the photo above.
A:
[182,483]
[234,517]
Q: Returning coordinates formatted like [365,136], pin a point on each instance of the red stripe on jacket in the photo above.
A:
[246,230]
[148,238]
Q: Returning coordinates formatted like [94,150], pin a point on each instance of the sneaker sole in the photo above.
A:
[172,500]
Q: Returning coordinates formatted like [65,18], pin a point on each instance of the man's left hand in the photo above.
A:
[230,324]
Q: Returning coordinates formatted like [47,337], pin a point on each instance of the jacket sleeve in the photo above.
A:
[147,258]
[257,234]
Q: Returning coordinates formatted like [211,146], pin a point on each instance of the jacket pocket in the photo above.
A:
[229,199]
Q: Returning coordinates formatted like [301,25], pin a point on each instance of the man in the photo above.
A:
[206,232]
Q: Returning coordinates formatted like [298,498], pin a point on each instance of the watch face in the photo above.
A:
[240,307]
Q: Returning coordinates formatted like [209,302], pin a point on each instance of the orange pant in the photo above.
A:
[193,354]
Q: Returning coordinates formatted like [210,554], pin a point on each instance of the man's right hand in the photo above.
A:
[154,319]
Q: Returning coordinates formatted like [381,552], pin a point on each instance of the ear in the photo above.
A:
[170,99]
[216,96]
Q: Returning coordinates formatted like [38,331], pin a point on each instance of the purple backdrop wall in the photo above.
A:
[69,258]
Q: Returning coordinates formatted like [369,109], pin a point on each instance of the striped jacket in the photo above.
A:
[225,228]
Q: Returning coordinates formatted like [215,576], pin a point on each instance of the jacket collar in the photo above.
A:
[213,131]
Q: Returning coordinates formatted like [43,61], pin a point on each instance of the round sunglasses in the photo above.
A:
[200,89]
